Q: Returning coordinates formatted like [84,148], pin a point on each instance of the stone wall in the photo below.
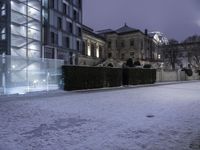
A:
[177,75]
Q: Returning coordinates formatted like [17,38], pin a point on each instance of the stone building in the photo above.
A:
[93,50]
[127,42]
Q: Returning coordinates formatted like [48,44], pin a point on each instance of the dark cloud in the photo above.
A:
[176,18]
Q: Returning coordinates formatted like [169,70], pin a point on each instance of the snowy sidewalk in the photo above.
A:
[55,93]
[163,117]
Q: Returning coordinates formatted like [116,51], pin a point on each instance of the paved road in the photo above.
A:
[148,118]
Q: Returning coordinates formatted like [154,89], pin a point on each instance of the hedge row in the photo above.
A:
[134,76]
[78,77]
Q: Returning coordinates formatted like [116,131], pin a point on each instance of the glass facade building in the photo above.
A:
[36,38]
[26,28]
[41,29]
[5,26]
[21,28]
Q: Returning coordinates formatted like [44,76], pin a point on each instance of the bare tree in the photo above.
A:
[192,39]
[170,53]
[173,41]
[193,43]
[184,53]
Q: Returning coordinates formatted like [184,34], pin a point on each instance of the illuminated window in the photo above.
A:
[3,34]
[3,9]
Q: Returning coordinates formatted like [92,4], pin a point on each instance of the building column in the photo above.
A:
[97,50]
[89,48]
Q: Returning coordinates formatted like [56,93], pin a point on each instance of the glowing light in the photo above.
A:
[13,66]
[35,81]
[89,50]
[33,47]
[97,52]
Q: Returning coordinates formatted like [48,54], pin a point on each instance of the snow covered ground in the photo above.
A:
[147,118]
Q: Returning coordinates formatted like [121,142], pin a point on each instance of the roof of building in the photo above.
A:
[105,31]
[125,29]
[87,28]
[122,30]
[91,32]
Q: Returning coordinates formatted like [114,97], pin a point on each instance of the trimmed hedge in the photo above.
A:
[134,76]
[113,77]
[78,77]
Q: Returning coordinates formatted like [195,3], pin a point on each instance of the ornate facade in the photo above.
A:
[127,42]
[93,50]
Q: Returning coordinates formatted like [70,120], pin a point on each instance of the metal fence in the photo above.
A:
[20,75]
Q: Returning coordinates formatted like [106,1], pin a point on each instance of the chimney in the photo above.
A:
[146,32]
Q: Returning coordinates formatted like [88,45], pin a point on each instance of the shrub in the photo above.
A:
[134,76]
[77,78]
[129,62]
[137,63]
[147,66]
[112,77]
[189,72]
[110,65]
[198,71]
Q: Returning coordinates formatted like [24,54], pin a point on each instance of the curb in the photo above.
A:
[133,86]
[55,93]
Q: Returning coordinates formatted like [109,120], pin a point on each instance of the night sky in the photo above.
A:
[175,18]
